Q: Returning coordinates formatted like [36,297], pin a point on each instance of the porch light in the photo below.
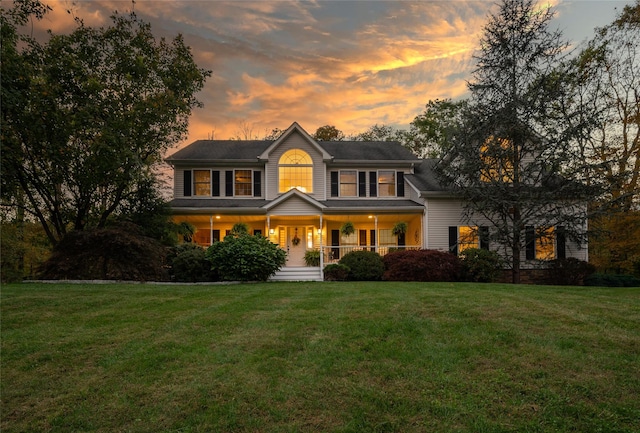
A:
[319,232]
[217,217]
[272,231]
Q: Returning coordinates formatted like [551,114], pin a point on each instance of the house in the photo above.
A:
[300,192]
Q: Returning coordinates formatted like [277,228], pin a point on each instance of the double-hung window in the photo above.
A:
[545,243]
[348,183]
[386,183]
[243,185]
[202,182]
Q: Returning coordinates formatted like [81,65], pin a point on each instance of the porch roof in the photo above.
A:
[259,206]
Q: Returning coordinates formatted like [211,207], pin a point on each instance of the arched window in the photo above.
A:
[295,170]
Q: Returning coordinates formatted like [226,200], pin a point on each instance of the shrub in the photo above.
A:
[363,265]
[312,258]
[569,271]
[612,280]
[336,272]
[189,264]
[114,253]
[245,258]
[479,265]
[421,265]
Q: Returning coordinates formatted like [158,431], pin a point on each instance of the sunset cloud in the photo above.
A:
[351,64]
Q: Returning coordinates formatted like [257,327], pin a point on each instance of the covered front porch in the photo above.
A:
[323,233]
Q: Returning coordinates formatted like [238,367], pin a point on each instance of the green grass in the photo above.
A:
[319,357]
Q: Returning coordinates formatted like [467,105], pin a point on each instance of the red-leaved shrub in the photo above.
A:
[421,265]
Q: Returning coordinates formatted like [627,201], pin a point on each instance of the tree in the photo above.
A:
[610,68]
[380,133]
[86,116]
[431,132]
[513,164]
[609,73]
[328,133]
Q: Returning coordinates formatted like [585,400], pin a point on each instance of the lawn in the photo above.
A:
[319,357]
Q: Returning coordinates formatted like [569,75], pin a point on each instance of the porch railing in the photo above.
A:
[332,254]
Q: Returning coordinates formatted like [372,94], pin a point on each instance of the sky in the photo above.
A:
[351,64]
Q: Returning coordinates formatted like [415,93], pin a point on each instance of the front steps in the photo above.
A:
[297,274]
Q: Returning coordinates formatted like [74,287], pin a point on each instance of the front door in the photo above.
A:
[296,245]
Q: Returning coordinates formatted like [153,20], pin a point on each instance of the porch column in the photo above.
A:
[321,251]
[210,230]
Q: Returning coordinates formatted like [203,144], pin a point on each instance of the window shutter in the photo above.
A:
[530,242]
[228,183]
[400,183]
[561,243]
[187,183]
[453,240]
[334,184]
[483,233]
[257,184]
[362,183]
[373,184]
[215,183]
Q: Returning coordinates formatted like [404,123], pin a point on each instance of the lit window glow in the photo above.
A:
[295,170]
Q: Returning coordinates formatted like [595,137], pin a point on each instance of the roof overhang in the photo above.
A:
[289,195]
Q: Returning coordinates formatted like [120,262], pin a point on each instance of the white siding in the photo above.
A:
[441,214]
[294,206]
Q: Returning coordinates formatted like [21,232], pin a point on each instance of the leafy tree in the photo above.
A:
[608,71]
[244,257]
[86,116]
[514,163]
[431,132]
[328,133]
[610,68]
[380,133]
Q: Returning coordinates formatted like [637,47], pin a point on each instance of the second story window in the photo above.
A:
[202,182]
[386,183]
[242,183]
[348,183]
[497,156]
[295,170]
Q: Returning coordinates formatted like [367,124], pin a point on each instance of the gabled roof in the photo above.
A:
[234,151]
[294,193]
[286,134]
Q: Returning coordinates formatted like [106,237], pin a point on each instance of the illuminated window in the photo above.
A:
[202,182]
[295,170]
[541,243]
[348,183]
[497,160]
[545,244]
[386,184]
[242,183]
[468,238]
